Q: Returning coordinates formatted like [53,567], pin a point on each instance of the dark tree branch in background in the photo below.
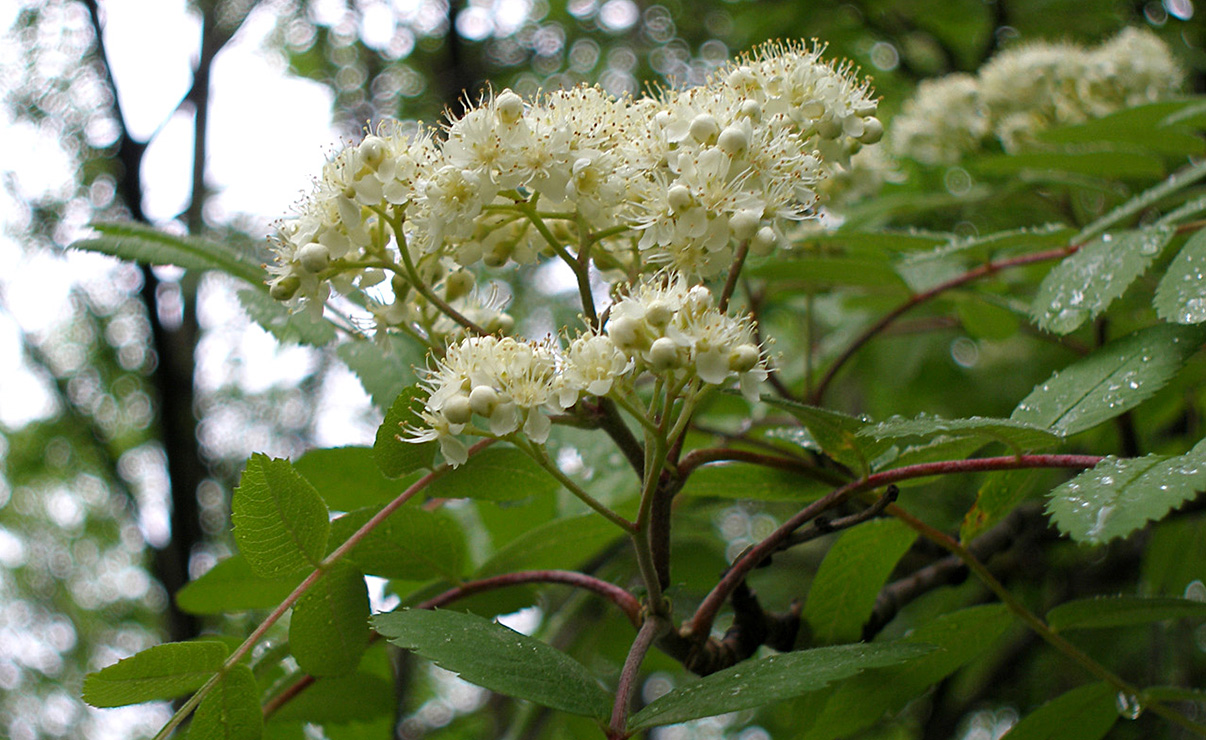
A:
[174,345]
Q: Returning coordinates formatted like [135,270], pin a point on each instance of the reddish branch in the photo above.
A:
[701,623]
[613,593]
[988,268]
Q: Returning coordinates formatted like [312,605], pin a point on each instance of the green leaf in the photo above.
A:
[1105,163]
[1084,713]
[985,319]
[1112,380]
[347,478]
[1181,294]
[231,711]
[756,683]
[329,629]
[395,456]
[1019,436]
[231,586]
[843,592]
[959,636]
[872,241]
[280,522]
[288,326]
[141,243]
[1119,496]
[412,544]
[1033,238]
[821,273]
[340,700]
[1142,127]
[161,672]
[835,432]
[999,495]
[1175,182]
[562,543]
[497,658]
[752,482]
[385,365]
[1122,611]
[1082,285]
[495,474]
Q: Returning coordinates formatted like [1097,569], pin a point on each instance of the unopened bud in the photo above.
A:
[623,331]
[372,151]
[873,130]
[483,400]
[457,410]
[679,197]
[313,257]
[744,358]
[705,128]
[284,288]
[744,223]
[659,313]
[763,242]
[457,284]
[734,141]
[663,355]
[509,107]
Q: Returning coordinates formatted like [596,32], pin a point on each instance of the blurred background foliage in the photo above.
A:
[116,492]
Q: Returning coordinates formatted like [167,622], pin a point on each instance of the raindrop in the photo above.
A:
[1129,706]
[1196,591]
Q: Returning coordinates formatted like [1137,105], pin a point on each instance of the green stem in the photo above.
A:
[580,273]
[417,281]
[537,453]
[242,650]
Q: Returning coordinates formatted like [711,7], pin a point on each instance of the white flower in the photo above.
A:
[593,364]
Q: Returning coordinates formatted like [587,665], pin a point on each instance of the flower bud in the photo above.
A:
[744,223]
[457,284]
[483,400]
[457,410]
[705,128]
[741,78]
[659,313]
[284,288]
[372,151]
[873,130]
[664,355]
[744,358]
[313,257]
[733,141]
[763,242]
[752,110]
[624,332]
[680,198]
[509,107]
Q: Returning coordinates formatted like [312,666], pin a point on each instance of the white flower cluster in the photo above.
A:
[674,179]
[492,386]
[1023,91]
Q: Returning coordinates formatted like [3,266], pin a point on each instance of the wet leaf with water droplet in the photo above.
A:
[497,658]
[755,683]
[1181,295]
[1112,380]
[1085,283]
[1119,496]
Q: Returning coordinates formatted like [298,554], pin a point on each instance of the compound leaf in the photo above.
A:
[1118,496]
[280,521]
[497,658]
[160,672]
[329,629]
